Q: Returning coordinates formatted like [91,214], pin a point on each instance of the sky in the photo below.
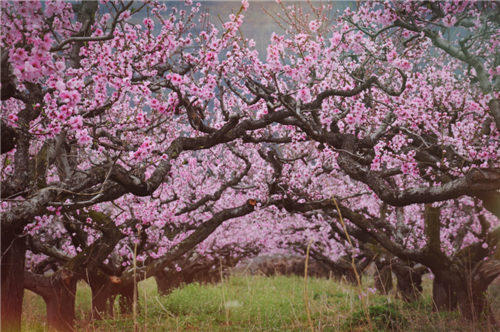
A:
[257,24]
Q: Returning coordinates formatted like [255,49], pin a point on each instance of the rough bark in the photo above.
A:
[491,201]
[383,279]
[105,289]
[8,80]
[481,277]
[409,283]
[12,272]
[166,282]
[61,305]
[100,302]
[126,299]
[9,137]
[58,292]
[103,295]
[495,111]
[465,289]
[446,287]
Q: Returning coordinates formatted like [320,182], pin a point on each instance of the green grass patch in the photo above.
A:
[382,317]
[257,303]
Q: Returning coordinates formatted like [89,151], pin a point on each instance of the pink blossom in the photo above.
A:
[244,4]
[83,137]
[314,25]
[449,20]
[304,94]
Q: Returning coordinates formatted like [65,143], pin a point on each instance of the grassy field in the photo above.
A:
[255,303]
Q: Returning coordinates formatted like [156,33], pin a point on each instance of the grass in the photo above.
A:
[256,303]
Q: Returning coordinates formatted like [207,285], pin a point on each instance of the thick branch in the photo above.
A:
[432,228]
[316,103]
[474,183]
[109,36]
[216,195]
[200,234]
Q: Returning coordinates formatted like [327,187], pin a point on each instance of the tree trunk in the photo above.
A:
[350,276]
[443,294]
[409,281]
[100,300]
[383,279]
[164,283]
[474,302]
[12,273]
[465,288]
[126,299]
[102,296]
[58,292]
[61,305]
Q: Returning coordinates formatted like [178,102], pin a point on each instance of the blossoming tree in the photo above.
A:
[406,116]
[96,105]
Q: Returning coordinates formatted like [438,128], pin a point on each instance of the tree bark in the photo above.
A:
[443,294]
[478,281]
[61,305]
[463,286]
[126,299]
[58,292]
[465,289]
[102,302]
[409,279]
[383,279]
[102,296]
[166,282]
[350,276]
[12,272]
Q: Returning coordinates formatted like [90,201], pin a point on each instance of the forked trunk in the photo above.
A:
[465,289]
[475,301]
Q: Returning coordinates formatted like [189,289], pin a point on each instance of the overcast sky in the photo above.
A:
[258,24]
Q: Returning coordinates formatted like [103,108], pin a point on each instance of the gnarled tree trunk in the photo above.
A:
[12,267]
[103,295]
[166,282]
[61,305]
[126,299]
[58,292]
[383,278]
[443,294]
[479,279]
[350,276]
[465,288]
[409,281]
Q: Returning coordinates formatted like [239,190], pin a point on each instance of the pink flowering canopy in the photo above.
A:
[150,132]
